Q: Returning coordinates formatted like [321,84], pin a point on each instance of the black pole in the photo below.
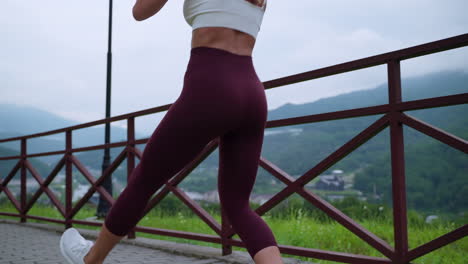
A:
[104,206]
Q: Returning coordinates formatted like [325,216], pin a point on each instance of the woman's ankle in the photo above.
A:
[88,259]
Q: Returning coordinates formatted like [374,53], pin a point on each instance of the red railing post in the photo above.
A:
[227,249]
[68,178]
[23,188]
[398,164]
[393,116]
[130,156]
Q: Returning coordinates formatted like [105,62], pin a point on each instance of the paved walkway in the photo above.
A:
[24,245]
[32,243]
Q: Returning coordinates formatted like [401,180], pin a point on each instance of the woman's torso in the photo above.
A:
[223,38]
[232,40]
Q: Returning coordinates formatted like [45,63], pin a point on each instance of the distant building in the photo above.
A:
[335,197]
[332,182]
[260,198]
[291,131]
[211,196]
[337,172]
[194,195]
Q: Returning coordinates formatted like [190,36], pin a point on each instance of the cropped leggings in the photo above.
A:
[223,97]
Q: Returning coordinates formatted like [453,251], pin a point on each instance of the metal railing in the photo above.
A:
[393,117]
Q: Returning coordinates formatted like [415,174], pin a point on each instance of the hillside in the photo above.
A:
[7,165]
[18,120]
[436,175]
[432,168]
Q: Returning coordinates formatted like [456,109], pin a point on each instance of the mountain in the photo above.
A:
[320,139]
[24,120]
[7,165]
[426,86]
[431,166]
[17,120]
[436,174]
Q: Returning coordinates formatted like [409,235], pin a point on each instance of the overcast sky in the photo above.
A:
[53,52]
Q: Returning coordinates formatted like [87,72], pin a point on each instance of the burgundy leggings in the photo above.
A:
[222,96]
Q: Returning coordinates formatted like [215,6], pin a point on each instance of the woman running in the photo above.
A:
[223,97]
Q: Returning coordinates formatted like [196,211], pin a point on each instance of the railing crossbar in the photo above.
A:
[364,234]
[107,172]
[12,173]
[393,116]
[46,183]
[434,132]
[441,101]
[333,256]
[44,188]
[398,55]
[92,180]
[181,175]
[197,209]
[333,158]
[437,243]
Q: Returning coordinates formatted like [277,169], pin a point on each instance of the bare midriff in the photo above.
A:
[228,39]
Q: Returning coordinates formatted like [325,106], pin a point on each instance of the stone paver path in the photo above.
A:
[35,243]
[29,245]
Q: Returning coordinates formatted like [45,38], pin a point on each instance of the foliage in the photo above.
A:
[298,229]
[436,175]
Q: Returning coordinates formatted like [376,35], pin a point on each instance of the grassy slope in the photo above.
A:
[297,230]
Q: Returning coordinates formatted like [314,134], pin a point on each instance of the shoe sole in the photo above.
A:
[63,252]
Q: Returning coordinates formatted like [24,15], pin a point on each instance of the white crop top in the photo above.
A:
[236,14]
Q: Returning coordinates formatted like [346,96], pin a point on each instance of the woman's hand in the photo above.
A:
[144,9]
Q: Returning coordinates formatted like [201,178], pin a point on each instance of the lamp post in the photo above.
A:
[103,206]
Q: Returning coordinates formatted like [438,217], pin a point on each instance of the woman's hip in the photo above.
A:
[218,81]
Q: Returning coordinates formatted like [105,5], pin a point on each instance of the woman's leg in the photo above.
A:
[239,153]
[179,137]
[105,242]
[268,255]
[222,96]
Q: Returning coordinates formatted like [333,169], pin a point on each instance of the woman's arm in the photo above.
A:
[144,9]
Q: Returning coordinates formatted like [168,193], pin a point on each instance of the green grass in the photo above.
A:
[297,229]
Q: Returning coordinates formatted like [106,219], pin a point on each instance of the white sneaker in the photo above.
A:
[74,247]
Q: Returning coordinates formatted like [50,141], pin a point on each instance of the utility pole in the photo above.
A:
[104,206]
